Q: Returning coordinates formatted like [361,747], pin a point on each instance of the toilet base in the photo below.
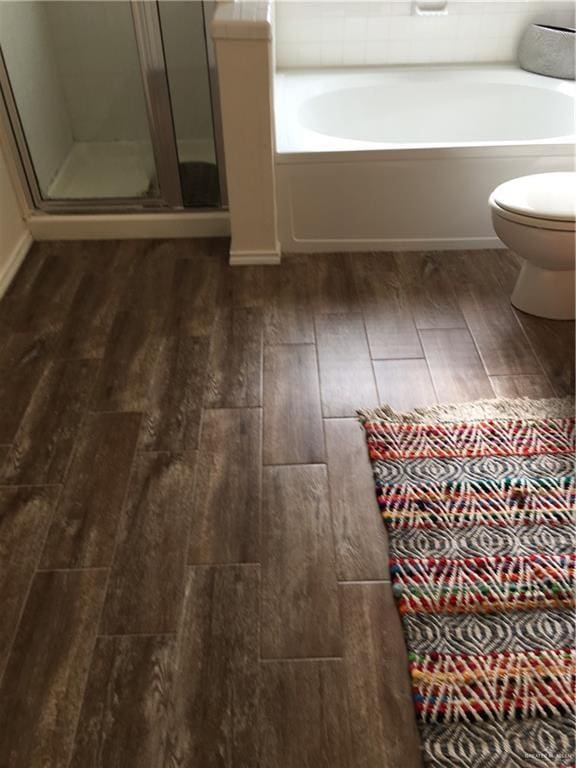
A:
[545,292]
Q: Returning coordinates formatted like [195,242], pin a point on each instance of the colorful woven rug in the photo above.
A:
[479,504]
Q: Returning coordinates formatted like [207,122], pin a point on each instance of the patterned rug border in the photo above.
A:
[523,408]
[481,698]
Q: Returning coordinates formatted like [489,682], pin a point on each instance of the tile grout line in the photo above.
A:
[297,463]
[377,359]
[527,339]
[428,368]
[188,536]
[297,659]
[319,373]
[374,377]
[74,569]
[478,353]
[30,485]
[261,511]
[134,634]
[481,356]
[329,494]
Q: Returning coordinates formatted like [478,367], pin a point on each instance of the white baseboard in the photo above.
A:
[247,258]
[116,226]
[412,244]
[14,260]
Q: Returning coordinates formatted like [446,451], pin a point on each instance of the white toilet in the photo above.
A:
[535,216]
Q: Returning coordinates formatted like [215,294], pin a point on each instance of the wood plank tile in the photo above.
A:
[216,671]
[388,319]
[42,688]
[289,309]
[147,577]
[24,519]
[93,308]
[334,290]
[383,724]
[495,329]
[44,306]
[304,721]
[149,290]
[492,273]
[430,292]
[235,368]
[45,438]
[553,344]
[194,297]
[19,291]
[456,369]
[531,385]
[83,531]
[23,359]
[127,704]
[292,417]
[299,594]
[226,520]
[404,384]
[346,376]
[360,538]
[124,378]
[172,420]
[250,286]
[215,249]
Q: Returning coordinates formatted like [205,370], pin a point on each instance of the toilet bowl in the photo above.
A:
[535,216]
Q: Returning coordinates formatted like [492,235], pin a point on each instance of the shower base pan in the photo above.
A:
[118,169]
[100,169]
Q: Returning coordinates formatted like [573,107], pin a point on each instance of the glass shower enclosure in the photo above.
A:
[112,105]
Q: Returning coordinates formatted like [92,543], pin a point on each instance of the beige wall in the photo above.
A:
[13,232]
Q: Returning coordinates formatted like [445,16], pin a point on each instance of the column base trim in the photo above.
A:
[247,258]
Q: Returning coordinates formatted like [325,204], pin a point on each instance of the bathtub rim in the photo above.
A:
[285,129]
[548,147]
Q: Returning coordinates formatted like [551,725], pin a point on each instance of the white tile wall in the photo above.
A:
[371,32]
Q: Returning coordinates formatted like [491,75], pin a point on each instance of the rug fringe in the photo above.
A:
[498,408]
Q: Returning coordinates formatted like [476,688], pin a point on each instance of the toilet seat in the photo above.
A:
[542,201]
[532,221]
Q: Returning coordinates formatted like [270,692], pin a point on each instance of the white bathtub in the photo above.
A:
[407,157]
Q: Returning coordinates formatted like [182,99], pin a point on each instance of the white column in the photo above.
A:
[242,33]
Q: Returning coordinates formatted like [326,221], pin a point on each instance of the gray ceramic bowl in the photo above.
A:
[548,50]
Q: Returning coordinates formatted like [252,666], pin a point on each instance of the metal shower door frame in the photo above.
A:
[209,8]
[148,30]
[148,34]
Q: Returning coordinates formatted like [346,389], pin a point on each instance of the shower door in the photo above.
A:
[91,106]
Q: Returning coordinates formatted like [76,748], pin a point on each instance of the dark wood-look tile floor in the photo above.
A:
[194,571]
